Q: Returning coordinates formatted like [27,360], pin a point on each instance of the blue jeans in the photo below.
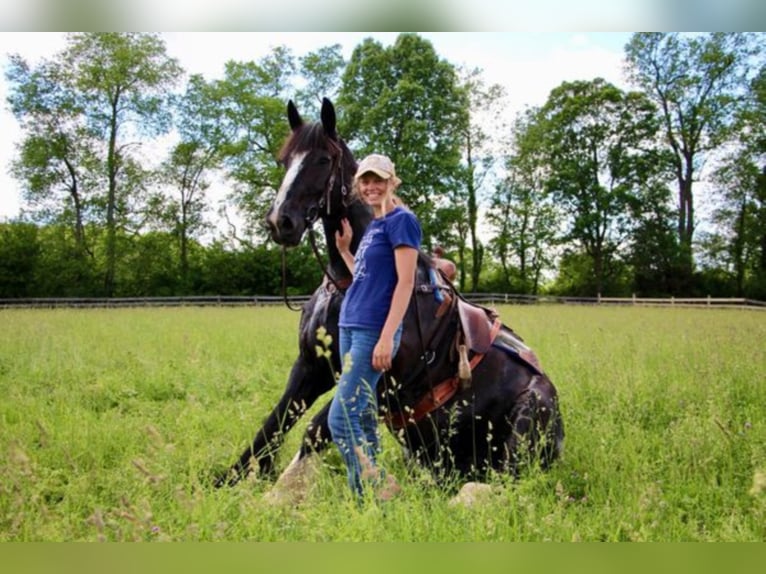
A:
[353,415]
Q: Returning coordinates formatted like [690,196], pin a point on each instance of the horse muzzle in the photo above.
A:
[285,230]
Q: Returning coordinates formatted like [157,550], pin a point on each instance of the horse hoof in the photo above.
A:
[294,483]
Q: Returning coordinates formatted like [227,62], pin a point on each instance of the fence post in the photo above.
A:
[598,299]
[634,299]
[708,300]
[672,300]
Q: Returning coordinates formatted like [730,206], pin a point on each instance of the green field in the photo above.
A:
[113,421]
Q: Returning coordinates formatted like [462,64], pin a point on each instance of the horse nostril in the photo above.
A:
[286,224]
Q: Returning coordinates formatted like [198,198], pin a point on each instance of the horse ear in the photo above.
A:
[293,116]
[328,118]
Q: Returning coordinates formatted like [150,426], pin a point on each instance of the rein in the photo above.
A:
[284,281]
[312,241]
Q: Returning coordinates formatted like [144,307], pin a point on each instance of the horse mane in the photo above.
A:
[306,137]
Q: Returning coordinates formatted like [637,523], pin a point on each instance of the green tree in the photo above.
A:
[697,81]
[19,252]
[521,213]
[186,171]
[321,71]
[738,217]
[653,252]
[250,100]
[123,82]
[100,97]
[147,268]
[594,137]
[406,102]
[57,156]
[739,243]
[479,134]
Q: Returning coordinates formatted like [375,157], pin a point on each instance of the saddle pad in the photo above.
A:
[508,343]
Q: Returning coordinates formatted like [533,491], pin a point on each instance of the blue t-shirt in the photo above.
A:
[368,299]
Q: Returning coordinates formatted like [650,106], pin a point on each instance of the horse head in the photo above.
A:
[319,170]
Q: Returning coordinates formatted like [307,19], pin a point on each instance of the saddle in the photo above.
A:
[479,326]
[479,330]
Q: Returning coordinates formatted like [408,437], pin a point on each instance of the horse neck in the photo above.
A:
[359,216]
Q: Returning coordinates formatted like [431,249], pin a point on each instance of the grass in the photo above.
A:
[112,421]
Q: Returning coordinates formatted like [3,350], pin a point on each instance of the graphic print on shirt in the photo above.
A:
[360,266]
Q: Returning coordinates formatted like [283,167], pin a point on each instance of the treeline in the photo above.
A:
[596,191]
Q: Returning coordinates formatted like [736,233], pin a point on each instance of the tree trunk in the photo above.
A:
[111,204]
[686,222]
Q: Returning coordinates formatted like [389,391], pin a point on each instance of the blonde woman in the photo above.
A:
[371,319]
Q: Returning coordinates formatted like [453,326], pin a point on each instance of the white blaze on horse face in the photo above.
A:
[295,168]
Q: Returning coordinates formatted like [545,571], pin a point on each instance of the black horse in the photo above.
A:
[464,394]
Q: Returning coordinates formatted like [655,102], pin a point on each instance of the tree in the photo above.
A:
[99,97]
[740,244]
[57,155]
[322,72]
[123,82]
[19,252]
[697,82]
[653,252]
[250,100]
[522,214]
[478,136]
[185,171]
[594,140]
[404,101]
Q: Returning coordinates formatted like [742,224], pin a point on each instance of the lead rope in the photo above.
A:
[318,257]
[284,281]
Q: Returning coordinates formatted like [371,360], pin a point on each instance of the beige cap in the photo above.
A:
[378,164]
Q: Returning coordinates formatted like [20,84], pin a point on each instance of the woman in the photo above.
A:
[371,319]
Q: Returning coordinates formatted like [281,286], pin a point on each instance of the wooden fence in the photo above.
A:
[488,299]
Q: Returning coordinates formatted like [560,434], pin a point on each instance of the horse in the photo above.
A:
[464,396]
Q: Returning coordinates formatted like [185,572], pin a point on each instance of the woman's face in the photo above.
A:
[374,190]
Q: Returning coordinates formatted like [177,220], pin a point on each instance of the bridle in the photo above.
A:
[325,200]
[312,215]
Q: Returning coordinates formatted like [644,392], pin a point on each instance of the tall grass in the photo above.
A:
[113,421]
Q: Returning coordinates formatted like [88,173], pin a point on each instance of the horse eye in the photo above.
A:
[324,160]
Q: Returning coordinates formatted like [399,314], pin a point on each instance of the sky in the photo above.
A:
[529,65]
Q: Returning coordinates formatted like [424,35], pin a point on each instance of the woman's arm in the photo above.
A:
[406,259]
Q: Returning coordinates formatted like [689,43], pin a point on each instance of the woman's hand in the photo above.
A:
[382,354]
[343,237]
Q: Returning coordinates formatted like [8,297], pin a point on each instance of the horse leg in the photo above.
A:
[305,384]
[537,430]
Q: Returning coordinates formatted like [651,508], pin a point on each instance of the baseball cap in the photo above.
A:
[380,165]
